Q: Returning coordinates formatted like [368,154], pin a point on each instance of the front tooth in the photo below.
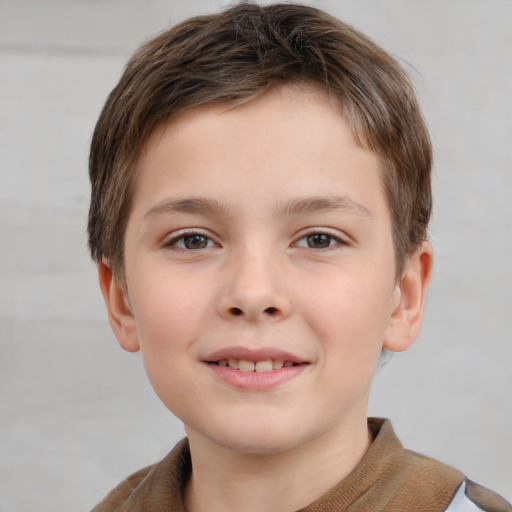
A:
[245,366]
[233,363]
[264,366]
[223,363]
[276,365]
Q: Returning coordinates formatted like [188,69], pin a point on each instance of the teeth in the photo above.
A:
[264,366]
[244,365]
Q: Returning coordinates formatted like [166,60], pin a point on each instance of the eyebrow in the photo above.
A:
[188,205]
[292,206]
[300,205]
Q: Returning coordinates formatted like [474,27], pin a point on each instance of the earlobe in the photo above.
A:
[406,318]
[120,315]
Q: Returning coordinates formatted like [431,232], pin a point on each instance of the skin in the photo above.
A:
[264,226]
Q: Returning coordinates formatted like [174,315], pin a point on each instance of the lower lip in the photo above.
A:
[256,381]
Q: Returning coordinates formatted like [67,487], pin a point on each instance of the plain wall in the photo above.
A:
[76,413]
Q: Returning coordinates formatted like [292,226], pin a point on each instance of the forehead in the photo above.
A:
[291,97]
[291,138]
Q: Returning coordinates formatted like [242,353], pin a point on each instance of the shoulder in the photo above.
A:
[427,476]
[157,488]
[122,492]
[412,481]
[471,497]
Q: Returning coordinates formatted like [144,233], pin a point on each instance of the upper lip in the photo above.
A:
[253,354]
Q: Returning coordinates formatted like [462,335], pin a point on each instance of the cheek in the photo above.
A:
[166,314]
[350,318]
[166,325]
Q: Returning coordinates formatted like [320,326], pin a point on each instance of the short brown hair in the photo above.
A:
[236,56]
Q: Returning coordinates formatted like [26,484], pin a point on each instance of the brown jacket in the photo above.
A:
[389,478]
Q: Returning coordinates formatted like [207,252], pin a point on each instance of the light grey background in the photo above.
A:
[76,413]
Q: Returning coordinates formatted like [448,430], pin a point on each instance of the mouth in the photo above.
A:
[255,369]
[263,365]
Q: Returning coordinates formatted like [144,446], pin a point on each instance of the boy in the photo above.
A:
[259,213]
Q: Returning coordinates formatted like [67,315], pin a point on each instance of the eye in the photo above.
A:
[191,241]
[319,240]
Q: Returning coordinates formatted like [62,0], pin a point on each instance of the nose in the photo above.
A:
[253,289]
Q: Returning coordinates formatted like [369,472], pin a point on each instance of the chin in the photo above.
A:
[258,438]
[258,446]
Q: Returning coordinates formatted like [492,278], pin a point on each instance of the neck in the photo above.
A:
[224,480]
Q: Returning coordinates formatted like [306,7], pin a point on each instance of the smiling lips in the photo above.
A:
[266,365]
[255,369]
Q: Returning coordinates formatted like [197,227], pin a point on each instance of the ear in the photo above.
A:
[120,315]
[405,322]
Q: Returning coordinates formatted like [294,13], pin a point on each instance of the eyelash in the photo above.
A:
[182,237]
[330,238]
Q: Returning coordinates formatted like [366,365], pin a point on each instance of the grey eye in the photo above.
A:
[318,241]
[192,241]
[195,242]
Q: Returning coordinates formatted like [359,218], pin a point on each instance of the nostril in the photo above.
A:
[236,311]
[271,310]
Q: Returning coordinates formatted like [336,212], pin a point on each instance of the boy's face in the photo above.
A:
[260,234]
